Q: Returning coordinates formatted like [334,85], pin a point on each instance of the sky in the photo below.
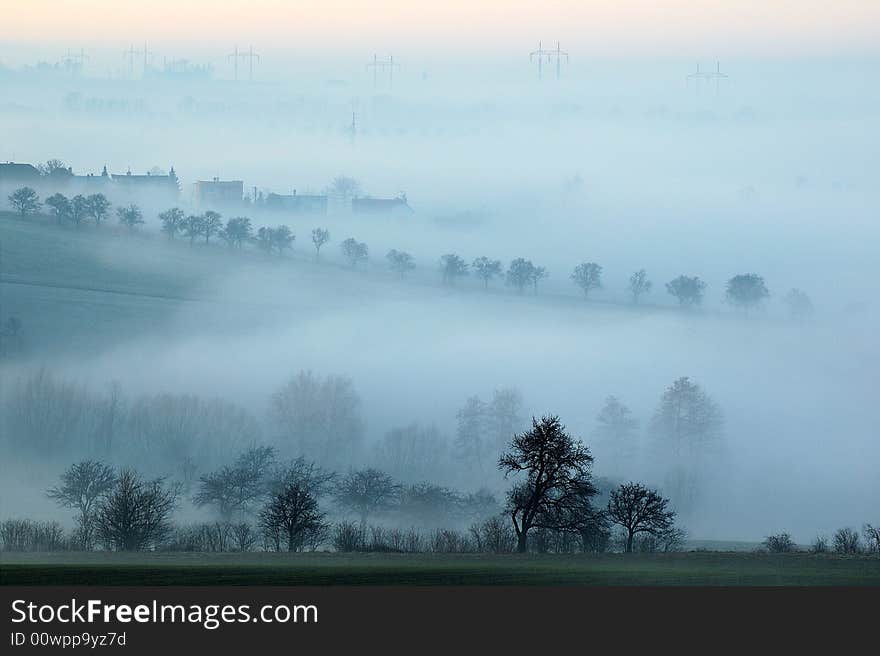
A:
[611,28]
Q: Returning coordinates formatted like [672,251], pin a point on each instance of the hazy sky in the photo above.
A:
[606,27]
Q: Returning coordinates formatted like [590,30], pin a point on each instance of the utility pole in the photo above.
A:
[130,54]
[147,54]
[383,64]
[250,55]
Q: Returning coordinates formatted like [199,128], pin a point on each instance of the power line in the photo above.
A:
[698,76]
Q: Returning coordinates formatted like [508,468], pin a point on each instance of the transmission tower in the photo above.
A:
[74,61]
[250,56]
[131,53]
[383,65]
[541,55]
[708,76]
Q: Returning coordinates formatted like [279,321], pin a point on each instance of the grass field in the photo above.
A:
[692,568]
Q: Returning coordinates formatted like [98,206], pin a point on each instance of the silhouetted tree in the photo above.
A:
[79,209]
[60,205]
[173,221]
[400,262]
[292,515]
[192,227]
[639,510]
[687,290]
[130,216]
[452,267]
[238,230]
[520,273]
[798,304]
[471,438]
[82,486]
[344,188]
[558,482]
[366,491]
[211,224]
[98,207]
[135,514]
[234,490]
[25,201]
[639,285]
[320,236]
[847,541]
[52,166]
[538,274]
[319,417]
[354,251]
[587,276]
[746,291]
[615,433]
[780,543]
[486,269]
[685,426]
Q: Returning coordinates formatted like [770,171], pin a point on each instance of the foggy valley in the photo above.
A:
[624,164]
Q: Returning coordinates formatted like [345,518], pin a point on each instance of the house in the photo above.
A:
[381,205]
[149,184]
[297,203]
[218,193]
[19,174]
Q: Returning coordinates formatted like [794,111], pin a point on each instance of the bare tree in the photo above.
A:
[290,517]
[639,285]
[558,482]
[211,224]
[798,303]
[847,541]
[587,276]
[82,485]
[344,188]
[354,251]
[452,267]
[130,216]
[135,514]
[615,432]
[79,209]
[98,207]
[486,269]
[60,205]
[25,201]
[172,222]
[639,510]
[234,490]
[320,236]
[520,273]
[366,491]
[400,262]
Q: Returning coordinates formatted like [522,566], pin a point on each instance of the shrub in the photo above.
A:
[819,545]
[780,543]
[28,535]
[347,537]
[846,541]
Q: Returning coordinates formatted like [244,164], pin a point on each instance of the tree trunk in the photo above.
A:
[629,541]
[522,543]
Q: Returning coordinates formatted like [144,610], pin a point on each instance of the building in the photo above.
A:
[381,205]
[149,185]
[297,203]
[12,173]
[218,193]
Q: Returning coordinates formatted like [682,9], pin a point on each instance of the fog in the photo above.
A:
[621,163]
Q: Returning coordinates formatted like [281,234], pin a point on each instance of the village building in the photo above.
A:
[381,205]
[297,203]
[218,193]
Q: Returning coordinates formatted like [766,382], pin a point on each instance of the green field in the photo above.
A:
[692,568]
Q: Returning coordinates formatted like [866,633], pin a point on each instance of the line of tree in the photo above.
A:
[745,292]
